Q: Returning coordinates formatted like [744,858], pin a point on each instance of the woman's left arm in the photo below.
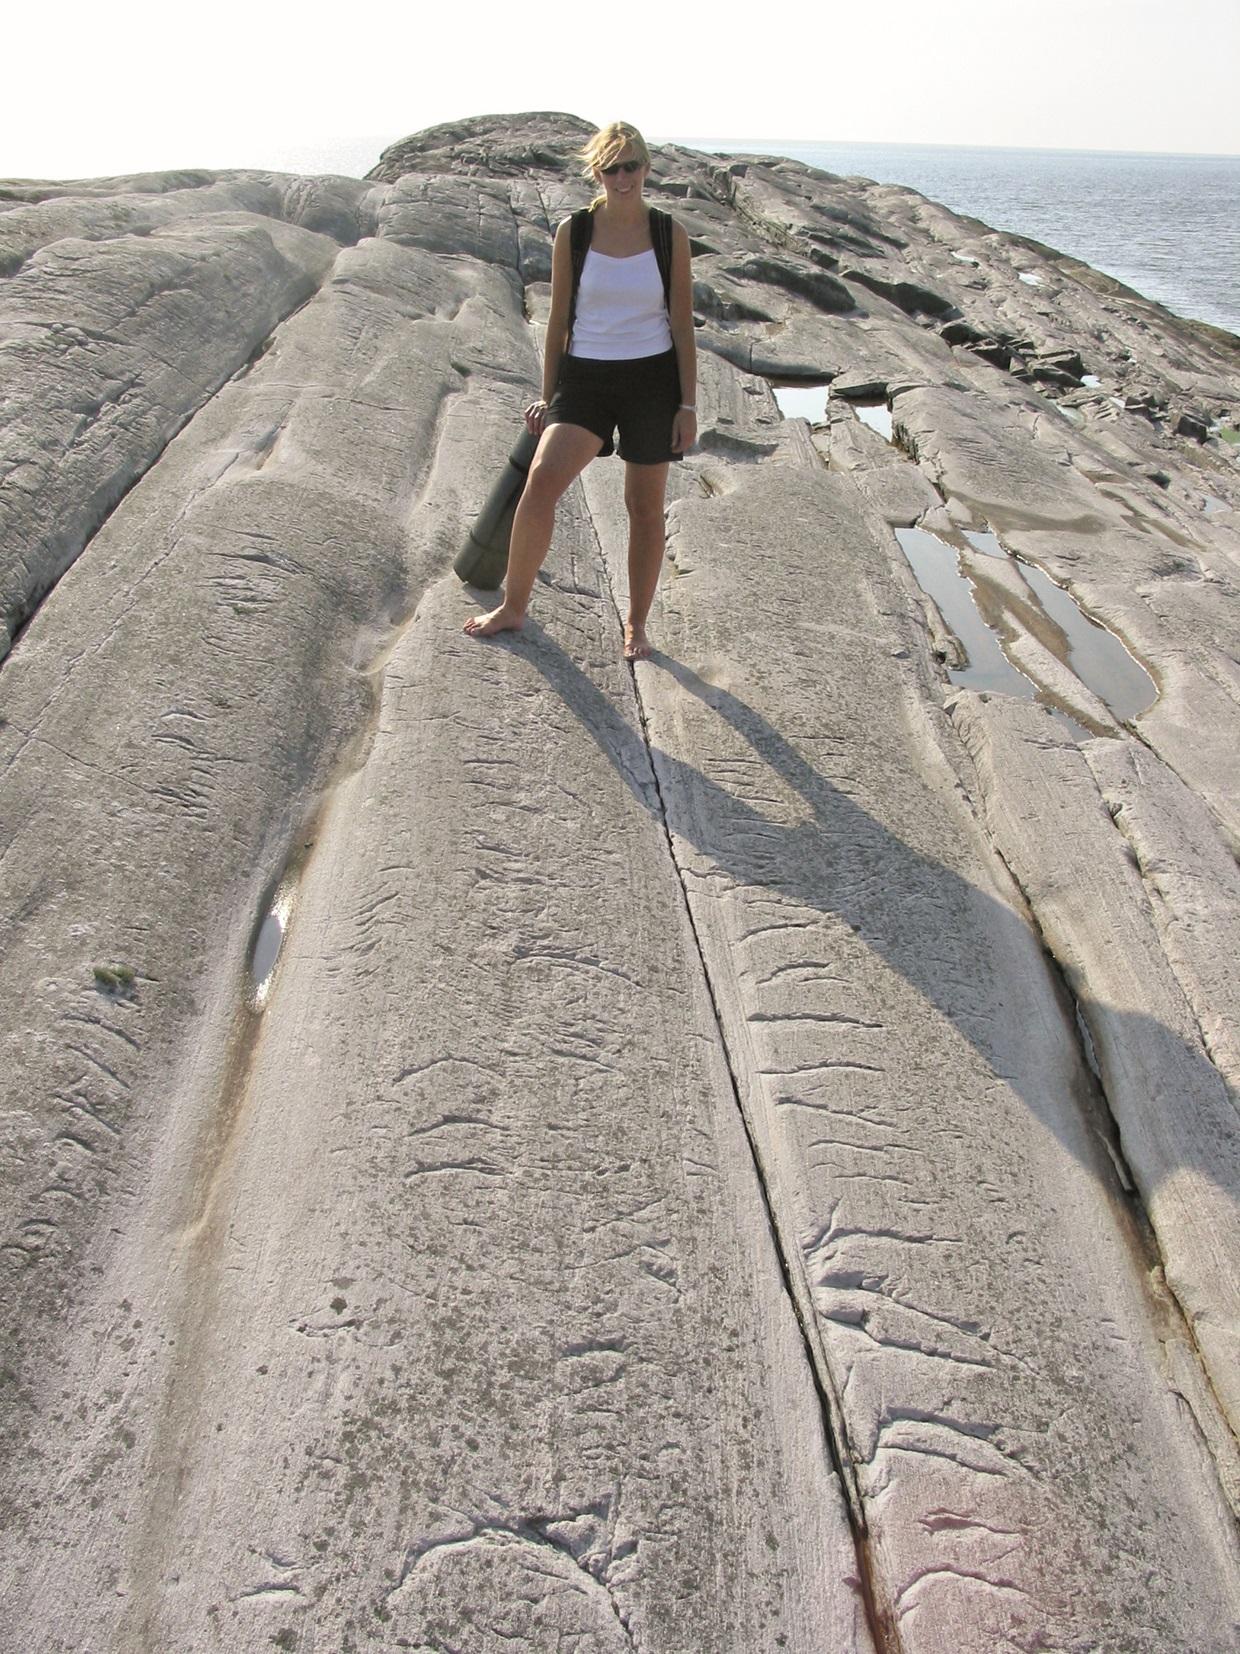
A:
[680,315]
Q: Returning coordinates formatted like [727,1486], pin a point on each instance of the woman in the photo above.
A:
[630,362]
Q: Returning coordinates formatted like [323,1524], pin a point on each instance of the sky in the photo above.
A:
[144,86]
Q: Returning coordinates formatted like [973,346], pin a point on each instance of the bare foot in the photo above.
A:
[502,619]
[636,643]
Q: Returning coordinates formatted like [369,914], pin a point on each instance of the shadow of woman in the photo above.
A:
[959,946]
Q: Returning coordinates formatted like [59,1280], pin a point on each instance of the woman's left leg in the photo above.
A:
[644,489]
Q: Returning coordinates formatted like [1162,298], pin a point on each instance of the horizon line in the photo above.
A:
[1023,149]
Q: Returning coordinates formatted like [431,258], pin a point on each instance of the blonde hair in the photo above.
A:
[608,142]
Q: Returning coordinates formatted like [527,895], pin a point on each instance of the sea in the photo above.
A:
[1166,225]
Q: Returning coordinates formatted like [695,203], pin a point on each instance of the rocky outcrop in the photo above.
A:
[505,1150]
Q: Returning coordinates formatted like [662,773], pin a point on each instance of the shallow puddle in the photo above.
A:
[1029,278]
[1214,504]
[802,401]
[877,415]
[1091,379]
[267,948]
[1040,608]
[937,570]
[1097,656]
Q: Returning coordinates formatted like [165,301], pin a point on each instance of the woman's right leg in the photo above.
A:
[563,454]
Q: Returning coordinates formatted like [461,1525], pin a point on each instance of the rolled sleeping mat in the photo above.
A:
[483,558]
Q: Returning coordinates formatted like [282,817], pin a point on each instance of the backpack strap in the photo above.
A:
[580,234]
[661,236]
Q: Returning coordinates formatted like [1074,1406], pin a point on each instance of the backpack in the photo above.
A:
[581,231]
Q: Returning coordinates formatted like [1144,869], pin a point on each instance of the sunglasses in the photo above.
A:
[621,166]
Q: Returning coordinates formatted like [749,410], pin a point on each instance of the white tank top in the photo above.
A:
[620,308]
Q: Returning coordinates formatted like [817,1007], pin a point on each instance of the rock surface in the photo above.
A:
[735,1154]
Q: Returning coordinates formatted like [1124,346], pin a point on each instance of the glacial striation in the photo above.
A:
[732,1154]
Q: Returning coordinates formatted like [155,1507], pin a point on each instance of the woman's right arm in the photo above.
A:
[557,322]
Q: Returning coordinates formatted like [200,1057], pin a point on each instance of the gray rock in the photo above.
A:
[488,145]
[862,945]
[1193,882]
[1191,423]
[897,490]
[1178,1127]
[1066,362]
[961,332]
[110,346]
[710,302]
[992,351]
[660,1195]
[913,299]
[855,386]
[452,216]
[821,290]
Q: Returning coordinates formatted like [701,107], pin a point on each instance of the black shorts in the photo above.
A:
[640,395]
